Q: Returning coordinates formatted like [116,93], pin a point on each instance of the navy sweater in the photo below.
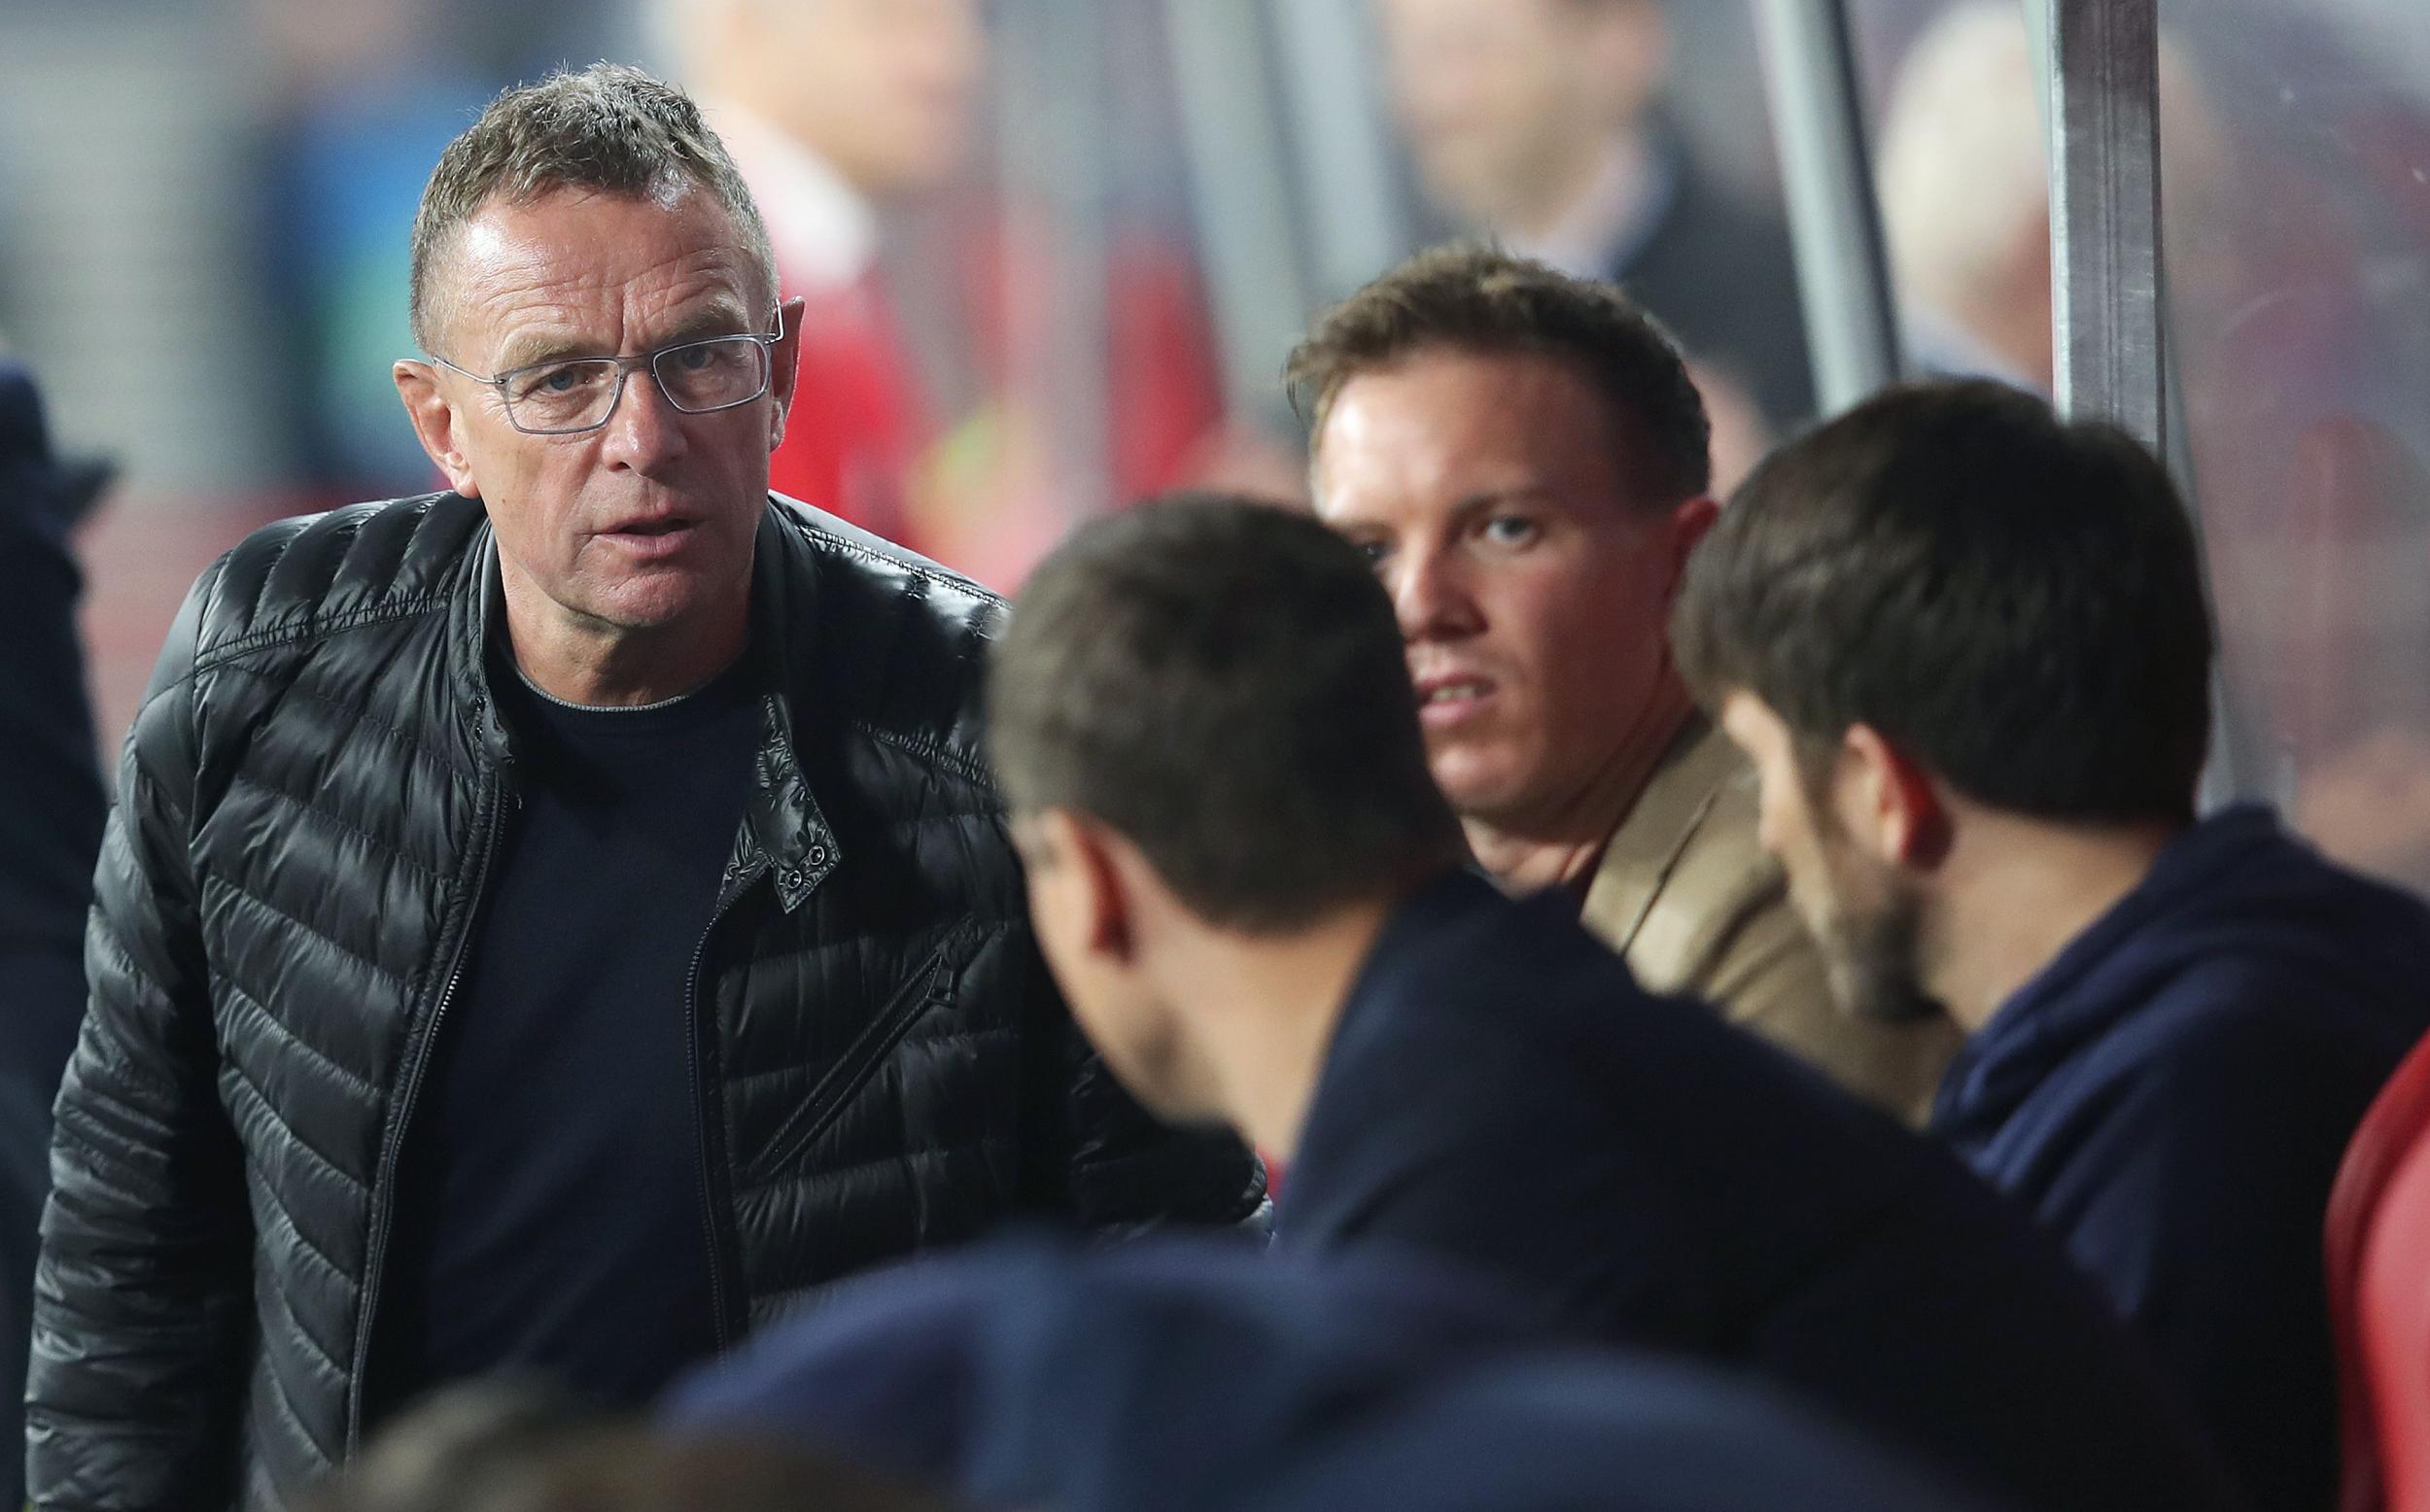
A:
[1499,1094]
[2172,1096]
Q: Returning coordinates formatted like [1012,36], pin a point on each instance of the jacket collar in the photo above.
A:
[781,814]
[783,830]
[1641,853]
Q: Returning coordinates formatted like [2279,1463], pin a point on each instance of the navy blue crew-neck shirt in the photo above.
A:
[550,1216]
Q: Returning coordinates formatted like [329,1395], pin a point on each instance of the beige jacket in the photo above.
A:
[1688,896]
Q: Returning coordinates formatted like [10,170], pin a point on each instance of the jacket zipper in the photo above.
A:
[383,1197]
[703,1112]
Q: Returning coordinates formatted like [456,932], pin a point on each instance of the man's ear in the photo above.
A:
[1889,801]
[1088,871]
[1689,523]
[784,367]
[436,424]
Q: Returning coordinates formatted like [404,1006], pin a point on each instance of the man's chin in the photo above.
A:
[653,601]
[1482,792]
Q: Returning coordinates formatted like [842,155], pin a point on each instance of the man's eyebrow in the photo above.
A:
[536,347]
[525,351]
[723,320]
[1486,501]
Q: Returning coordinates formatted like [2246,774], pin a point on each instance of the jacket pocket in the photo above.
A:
[931,984]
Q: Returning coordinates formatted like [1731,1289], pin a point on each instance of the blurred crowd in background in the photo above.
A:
[1055,250]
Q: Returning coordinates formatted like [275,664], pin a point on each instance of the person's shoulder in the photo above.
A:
[2239,1044]
[1512,980]
[895,640]
[301,579]
[869,567]
[2284,953]
[1719,880]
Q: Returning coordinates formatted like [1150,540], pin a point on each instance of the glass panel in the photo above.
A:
[2296,162]
[1055,249]
[2296,144]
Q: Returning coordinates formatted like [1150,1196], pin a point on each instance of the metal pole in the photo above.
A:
[2104,213]
[1231,121]
[1327,54]
[2101,74]
[1843,264]
[1050,129]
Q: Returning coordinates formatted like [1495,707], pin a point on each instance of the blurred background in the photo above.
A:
[1055,251]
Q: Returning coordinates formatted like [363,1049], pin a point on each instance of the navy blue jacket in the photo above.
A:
[1201,1375]
[1501,1095]
[2172,1096]
[52,807]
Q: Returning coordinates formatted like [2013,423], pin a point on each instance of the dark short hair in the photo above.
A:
[519,1446]
[1467,299]
[607,128]
[1222,681]
[2013,600]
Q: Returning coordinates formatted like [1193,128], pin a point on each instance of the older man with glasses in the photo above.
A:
[557,923]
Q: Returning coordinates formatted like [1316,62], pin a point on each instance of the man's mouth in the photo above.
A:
[664,536]
[1449,700]
[1453,691]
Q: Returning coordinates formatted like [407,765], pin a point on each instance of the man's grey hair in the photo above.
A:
[609,130]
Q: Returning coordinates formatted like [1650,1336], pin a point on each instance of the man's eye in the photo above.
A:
[554,381]
[1374,551]
[1511,530]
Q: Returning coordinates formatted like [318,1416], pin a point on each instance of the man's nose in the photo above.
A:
[1431,598]
[647,431]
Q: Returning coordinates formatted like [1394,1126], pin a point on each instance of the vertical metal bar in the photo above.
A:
[2100,76]
[1230,123]
[1054,110]
[1328,57]
[2105,220]
[1834,219]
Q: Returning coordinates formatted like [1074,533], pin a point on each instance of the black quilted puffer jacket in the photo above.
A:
[307,807]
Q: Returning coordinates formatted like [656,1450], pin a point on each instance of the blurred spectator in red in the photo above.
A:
[840,111]
[1538,122]
[835,109]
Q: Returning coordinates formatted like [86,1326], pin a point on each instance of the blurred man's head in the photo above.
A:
[1203,724]
[885,91]
[501,1447]
[1510,105]
[1947,609]
[1521,458]
[1966,189]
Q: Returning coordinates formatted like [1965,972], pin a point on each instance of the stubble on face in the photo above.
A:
[1865,918]
[1868,927]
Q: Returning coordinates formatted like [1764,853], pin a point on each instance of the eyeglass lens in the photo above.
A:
[578,393]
